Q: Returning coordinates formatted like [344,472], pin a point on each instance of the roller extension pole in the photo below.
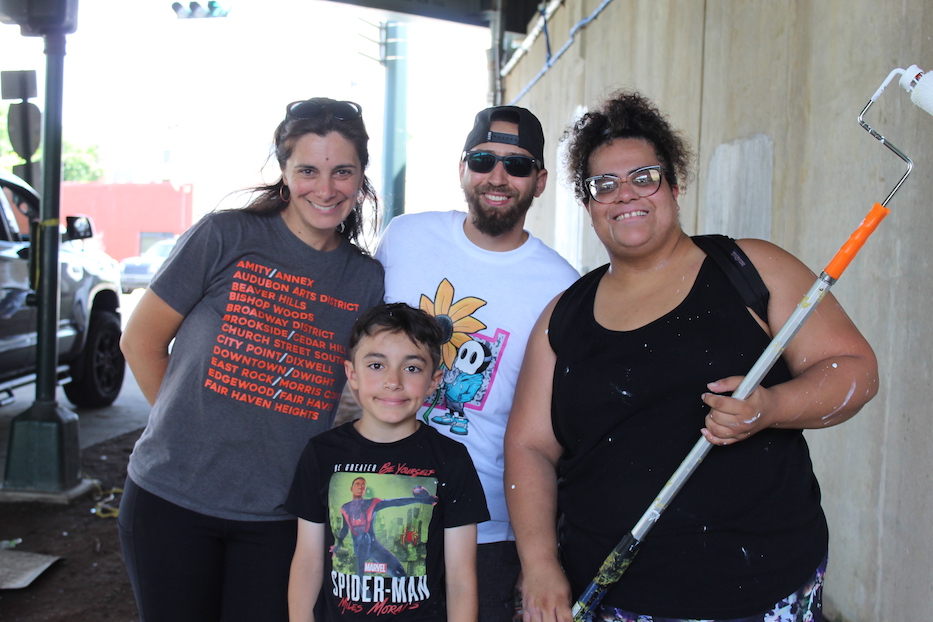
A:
[622,555]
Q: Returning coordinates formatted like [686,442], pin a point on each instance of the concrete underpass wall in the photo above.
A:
[769,92]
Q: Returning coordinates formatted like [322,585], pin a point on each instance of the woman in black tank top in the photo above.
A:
[630,364]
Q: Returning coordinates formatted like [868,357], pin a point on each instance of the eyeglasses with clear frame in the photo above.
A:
[644,182]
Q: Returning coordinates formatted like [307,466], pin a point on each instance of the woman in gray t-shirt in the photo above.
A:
[259,303]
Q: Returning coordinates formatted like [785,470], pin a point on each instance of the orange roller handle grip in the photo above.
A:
[853,245]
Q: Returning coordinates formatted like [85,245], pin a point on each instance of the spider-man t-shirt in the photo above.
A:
[385,507]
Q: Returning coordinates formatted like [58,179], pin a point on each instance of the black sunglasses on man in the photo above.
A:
[484,162]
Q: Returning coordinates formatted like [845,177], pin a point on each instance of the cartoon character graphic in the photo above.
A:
[470,355]
[358,520]
[462,382]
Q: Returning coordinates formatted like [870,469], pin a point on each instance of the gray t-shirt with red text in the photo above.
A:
[257,364]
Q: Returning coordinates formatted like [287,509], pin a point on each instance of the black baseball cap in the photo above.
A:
[530,135]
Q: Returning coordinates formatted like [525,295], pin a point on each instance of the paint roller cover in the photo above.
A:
[922,95]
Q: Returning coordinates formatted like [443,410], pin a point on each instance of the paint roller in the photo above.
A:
[914,81]
[921,91]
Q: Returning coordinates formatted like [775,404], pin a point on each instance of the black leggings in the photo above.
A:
[187,566]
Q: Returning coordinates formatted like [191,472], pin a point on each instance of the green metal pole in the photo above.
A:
[49,233]
[44,453]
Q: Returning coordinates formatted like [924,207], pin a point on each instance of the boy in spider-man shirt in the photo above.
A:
[414,493]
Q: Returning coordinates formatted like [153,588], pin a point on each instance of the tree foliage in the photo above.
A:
[81,163]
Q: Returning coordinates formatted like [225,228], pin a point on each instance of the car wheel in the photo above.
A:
[97,375]
[127,290]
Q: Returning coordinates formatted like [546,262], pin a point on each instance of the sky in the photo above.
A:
[196,100]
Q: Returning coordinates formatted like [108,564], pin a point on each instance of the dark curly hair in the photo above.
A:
[267,200]
[626,114]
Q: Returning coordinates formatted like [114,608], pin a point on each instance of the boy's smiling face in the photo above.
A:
[390,375]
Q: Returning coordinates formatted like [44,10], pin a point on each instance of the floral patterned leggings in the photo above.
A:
[804,605]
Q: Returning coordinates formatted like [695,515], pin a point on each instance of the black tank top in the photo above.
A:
[746,530]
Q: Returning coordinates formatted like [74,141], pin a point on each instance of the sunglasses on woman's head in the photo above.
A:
[484,162]
[308,109]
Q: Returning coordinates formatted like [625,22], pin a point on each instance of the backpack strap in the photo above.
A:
[739,269]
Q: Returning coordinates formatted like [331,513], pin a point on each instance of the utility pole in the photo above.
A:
[393,55]
[395,148]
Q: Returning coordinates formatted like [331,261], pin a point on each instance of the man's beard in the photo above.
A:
[493,221]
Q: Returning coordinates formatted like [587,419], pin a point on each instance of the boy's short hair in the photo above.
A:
[398,317]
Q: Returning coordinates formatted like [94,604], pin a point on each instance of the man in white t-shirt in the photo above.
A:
[486,280]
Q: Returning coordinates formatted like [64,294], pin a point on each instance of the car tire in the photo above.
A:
[97,374]
[127,290]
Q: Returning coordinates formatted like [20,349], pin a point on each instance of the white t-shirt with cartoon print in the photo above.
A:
[487,302]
